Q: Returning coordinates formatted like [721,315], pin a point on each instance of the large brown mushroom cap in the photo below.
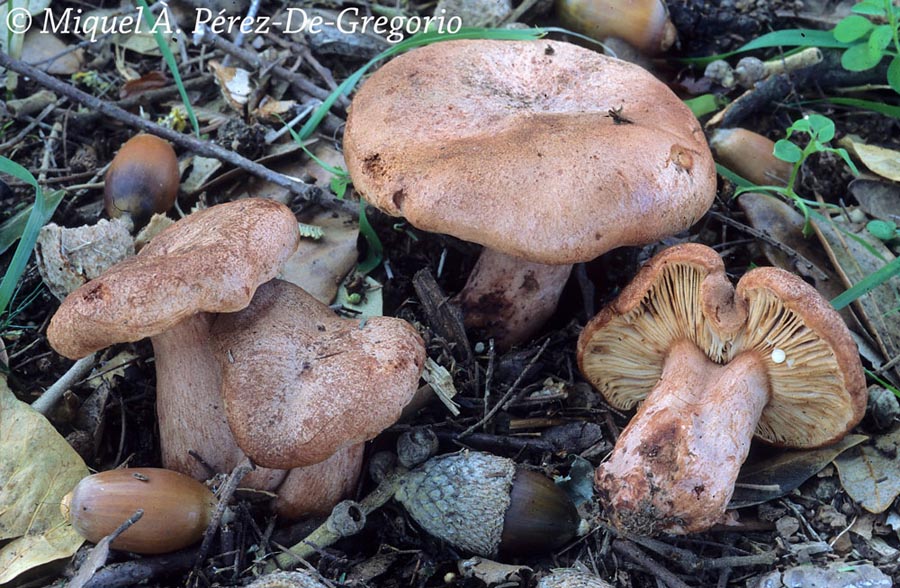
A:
[539,149]
[300,383]
[210,261]
[817,388]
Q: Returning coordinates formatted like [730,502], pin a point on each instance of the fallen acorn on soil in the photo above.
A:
[477,502]
[142,179]
[177,509]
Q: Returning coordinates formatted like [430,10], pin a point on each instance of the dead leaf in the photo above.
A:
[365,299]
[869,474]
[490,572]
[882,161]
[39,47]
[234,83]
[319,266]
[34,8]
[38,468]
[877,199]
[150,81]
[274,111]
[772,478]
[855,253]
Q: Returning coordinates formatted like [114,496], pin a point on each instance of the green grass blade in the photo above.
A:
[800,38]
[879,107]
[375,250]
[40,214]
[13,227]
[173,66]
[867,284]
[732,177]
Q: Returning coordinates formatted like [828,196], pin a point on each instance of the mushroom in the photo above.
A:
[547,153]
[714,365]
[211,261]
[300,383]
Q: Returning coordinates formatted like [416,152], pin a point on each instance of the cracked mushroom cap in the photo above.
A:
[816,385]
[300,383]
[210,261]
[540,149]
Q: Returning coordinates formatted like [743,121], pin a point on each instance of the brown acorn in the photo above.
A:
[142,179]
[177,509]
[643,24]
[485,504]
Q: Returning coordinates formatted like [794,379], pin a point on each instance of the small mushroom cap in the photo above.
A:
[210,261]
[542,150]
[816,385]
[300,383]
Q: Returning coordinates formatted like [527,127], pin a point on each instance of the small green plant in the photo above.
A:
[820,130]
[871,42]
[883,230]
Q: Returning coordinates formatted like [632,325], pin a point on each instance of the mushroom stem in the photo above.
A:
[508,298]
[190,408]
[674,466]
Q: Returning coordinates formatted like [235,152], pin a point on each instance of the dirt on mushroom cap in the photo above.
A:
[817,390]
[513,145]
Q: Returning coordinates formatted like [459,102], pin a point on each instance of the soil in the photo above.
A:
[553,413]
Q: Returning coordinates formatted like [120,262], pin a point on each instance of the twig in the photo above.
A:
[251,58]
[48,399]
[763,236]
[239,37]
[225,494]
[331,530]
[100,553]
[631,551]
[508,394]
[30,127]
[311,194]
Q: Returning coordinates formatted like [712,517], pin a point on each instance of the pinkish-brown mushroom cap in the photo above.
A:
[210,261]
[542,150]
[817,387]
[300,383]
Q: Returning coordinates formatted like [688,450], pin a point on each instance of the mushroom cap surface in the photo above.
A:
[300,383]
[540,149]
[210,261]
[817,388]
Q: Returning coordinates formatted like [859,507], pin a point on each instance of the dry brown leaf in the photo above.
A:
[40,46]
[869,472]
[855,253]
[272,110]
[491,572]
[234,83]
[882,161]
[37,468]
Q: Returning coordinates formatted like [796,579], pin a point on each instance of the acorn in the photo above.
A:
[750,155]
[142,179]
[643,24]
[177,509]
[486,505]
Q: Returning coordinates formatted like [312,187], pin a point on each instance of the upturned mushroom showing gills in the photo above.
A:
[543,151]
[714,365]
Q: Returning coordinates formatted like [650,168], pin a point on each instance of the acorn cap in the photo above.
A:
[210,261]
[484,504]
[570,578]
[300,383]
[540,149]
[817,388]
